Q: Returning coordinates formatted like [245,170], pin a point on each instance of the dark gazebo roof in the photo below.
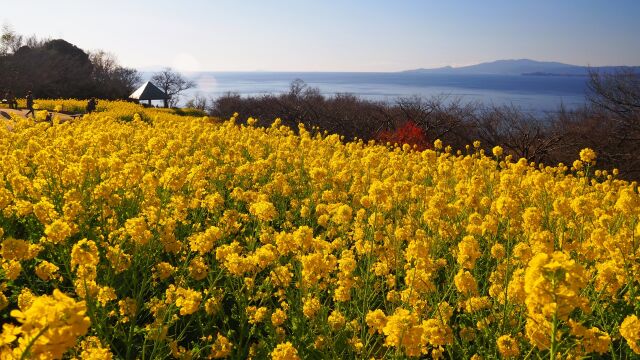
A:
[148,91]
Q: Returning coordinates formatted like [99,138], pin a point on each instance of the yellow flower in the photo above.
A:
[336,320]
[127,307]
[311,307]
[588,156]
[13,249]
[221,348]
[138,230]
[263,210]
[4,302]
[52,323]
[578,165]
[465,283]
[278,317]
[120,261]
[316,268]
[198,269]
[85,254]
[508,346]
[436,333]
[376,320]
[57,231]
[46,270]
[163,270]
[285,351]
[468,252]
[92,349]
[497,151]
[342,214]
[204,242]
[25,299]
[403,332]
[281,276]
[187,300]
[553,284]
[630,331]
[9,334]
[256,314]
[498,251]
[591,340]
[532,219]
[106,294]
[628,202]
[12,269]
[475,304]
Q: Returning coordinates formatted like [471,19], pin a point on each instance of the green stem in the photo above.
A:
[27,350]
[554,325]
[554,341]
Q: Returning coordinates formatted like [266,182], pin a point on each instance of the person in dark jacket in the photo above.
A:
[91,105]
[30,105]
[13,104]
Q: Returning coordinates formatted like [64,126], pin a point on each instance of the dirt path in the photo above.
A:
[6,114]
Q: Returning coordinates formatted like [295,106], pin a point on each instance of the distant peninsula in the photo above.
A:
[525,67]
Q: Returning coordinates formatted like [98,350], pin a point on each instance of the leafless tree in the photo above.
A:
[618,94]
[297,87]
[128,77]
[198,102]
[173,84]
[103,63]
[521,134]
[10,41]
[441,117]
[615,103]
[35,42]
[112,80]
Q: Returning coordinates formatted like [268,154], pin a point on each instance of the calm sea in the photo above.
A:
[533,93]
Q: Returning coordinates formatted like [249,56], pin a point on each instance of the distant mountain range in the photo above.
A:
[522,67]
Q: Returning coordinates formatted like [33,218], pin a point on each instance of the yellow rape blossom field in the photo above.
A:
[136,233]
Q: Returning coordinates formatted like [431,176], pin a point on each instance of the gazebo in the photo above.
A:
[148,92]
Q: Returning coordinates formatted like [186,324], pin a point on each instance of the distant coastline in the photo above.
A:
[542,73]
[526,67]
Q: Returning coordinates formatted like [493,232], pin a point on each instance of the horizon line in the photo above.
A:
[155,68]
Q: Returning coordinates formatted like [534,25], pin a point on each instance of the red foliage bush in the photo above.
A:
[409,133]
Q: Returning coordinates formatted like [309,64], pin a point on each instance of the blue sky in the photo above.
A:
[336,35]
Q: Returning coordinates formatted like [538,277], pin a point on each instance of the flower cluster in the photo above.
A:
[49,326]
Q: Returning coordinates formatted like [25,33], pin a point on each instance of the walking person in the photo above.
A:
[13,104]
[30,104]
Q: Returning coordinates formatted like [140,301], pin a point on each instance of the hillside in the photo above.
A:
[521,67]
[136,233]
